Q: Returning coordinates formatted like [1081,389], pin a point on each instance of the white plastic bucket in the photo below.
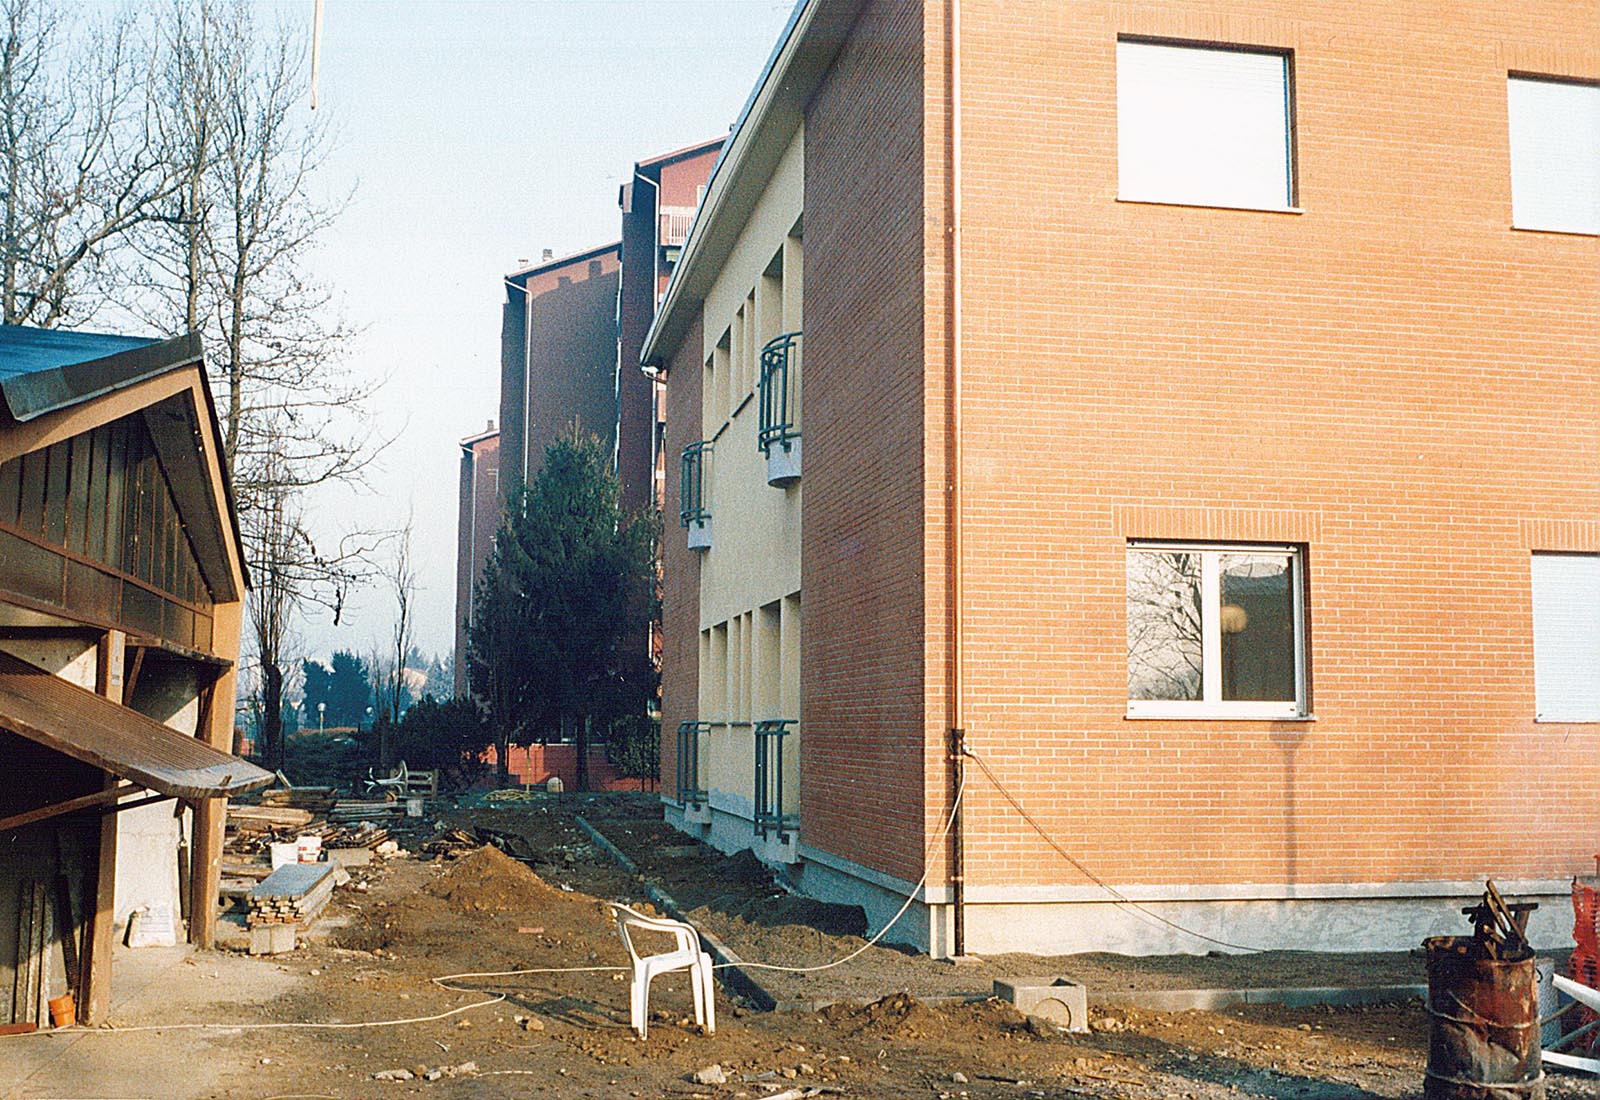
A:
[284,853]
[309,848]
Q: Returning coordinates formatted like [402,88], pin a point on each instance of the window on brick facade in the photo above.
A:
[1566,637]
[1215,631]
[1204,126]
[1555,154]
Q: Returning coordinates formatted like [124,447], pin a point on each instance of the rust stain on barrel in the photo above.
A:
[1483,1024]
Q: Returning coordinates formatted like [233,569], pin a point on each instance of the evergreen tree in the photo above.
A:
[567,590]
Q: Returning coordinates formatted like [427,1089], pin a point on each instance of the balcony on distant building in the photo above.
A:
[778,433]
[673,224]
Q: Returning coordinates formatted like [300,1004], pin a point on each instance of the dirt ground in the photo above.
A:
[376,953]
[735,900]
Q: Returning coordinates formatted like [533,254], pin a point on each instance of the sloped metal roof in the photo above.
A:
[42,370]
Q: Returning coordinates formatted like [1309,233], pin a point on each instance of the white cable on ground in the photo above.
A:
[927,863]
[510,973]
[440,982]
[112,1030]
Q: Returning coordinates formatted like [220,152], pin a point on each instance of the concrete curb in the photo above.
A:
[729,970]
[1209,1000]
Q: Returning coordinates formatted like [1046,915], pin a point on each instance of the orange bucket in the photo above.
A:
[63,1011]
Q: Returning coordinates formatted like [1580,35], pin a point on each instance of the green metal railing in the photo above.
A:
[780,401]
[693,506]
[770,816]
[690,792]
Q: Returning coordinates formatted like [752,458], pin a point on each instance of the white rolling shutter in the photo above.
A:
[1555,155]
[1566,637]
[1203,126]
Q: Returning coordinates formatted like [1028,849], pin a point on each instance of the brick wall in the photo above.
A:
[862,729]
[636,412]
[572,353]
[1395,379]
[680,596]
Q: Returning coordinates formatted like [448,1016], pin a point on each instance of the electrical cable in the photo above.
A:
[1116,895]
[439,981]
[927,864]
[955,806]
[297,1025]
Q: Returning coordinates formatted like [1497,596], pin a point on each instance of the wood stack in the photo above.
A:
[347,809]
[316,799]
[293,894]
[266,819]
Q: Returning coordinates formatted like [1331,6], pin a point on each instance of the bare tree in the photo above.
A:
[389,666]
[80,164]
[291,575]
[402,578]
[232,262]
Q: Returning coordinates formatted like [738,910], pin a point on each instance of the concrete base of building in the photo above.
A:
[1155,920]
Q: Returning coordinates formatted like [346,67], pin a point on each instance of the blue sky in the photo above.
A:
[479,134]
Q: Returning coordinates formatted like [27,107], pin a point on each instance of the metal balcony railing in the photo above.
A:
[675,222]
[780,398]
[690,791]
[693,505]
[771,815]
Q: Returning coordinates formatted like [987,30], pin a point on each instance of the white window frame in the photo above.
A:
[1244,191]
[1551,191]
[1547,709]
[1213,705]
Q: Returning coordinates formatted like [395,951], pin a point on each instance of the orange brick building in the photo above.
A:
[1201,411]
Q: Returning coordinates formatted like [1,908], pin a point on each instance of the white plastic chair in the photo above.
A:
[686,955]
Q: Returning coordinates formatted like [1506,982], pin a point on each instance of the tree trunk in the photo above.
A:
[502,758]
[581,735]
[272,715]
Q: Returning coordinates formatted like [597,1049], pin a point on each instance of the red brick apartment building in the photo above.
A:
[1201,412]
[571,330]
[558,354]
[476,524]
[658,206]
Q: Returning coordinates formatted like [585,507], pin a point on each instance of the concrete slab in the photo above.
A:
[153,985]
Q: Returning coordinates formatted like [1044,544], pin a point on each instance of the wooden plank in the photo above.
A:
[133,675]
[47,948]
[67,922]
[82,802]
[67,719]
[30,952]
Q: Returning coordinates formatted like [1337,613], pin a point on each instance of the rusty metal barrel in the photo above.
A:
[1483,1023]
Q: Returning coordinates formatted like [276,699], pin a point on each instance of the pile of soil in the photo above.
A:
[742,867]
[900,1015]
[488,879]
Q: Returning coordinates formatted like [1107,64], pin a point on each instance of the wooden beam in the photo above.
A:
[94,1003]
[82,802]
[133,677]
[206,836]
